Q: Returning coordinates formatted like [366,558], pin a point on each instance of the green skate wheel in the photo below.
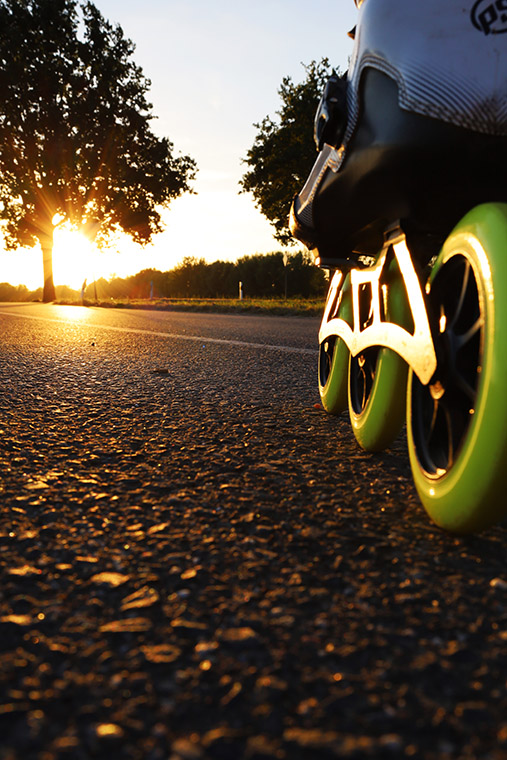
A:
[457,425]
[376,397]
[334,361]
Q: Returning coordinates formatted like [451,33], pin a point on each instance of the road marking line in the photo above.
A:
[175,336]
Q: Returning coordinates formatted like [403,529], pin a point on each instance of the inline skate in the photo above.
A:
[406,206]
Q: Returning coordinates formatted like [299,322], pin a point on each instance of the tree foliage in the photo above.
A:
[271,275]
[75,135]
[262,276]
[284,152]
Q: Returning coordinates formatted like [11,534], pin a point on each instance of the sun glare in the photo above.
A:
[73,258]
[193,229]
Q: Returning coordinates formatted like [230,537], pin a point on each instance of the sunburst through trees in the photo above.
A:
[75,136]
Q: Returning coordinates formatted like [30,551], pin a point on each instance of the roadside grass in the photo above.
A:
[274,306]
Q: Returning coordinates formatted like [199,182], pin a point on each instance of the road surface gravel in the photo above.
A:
[199,564]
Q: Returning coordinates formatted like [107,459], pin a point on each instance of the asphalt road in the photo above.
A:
[199,564]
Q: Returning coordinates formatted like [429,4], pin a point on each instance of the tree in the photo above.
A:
[75,137]
[284,151]
[275,274]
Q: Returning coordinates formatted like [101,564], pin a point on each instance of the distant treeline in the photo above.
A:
[261,275]
[10,292]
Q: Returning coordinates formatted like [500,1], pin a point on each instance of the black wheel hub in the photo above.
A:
[442,411]
[362,377]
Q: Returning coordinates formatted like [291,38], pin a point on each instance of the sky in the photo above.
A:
[215,69]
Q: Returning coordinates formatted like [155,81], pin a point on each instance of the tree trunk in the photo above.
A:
[46,243]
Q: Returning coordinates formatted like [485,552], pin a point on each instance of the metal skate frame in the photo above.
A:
[416,348]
